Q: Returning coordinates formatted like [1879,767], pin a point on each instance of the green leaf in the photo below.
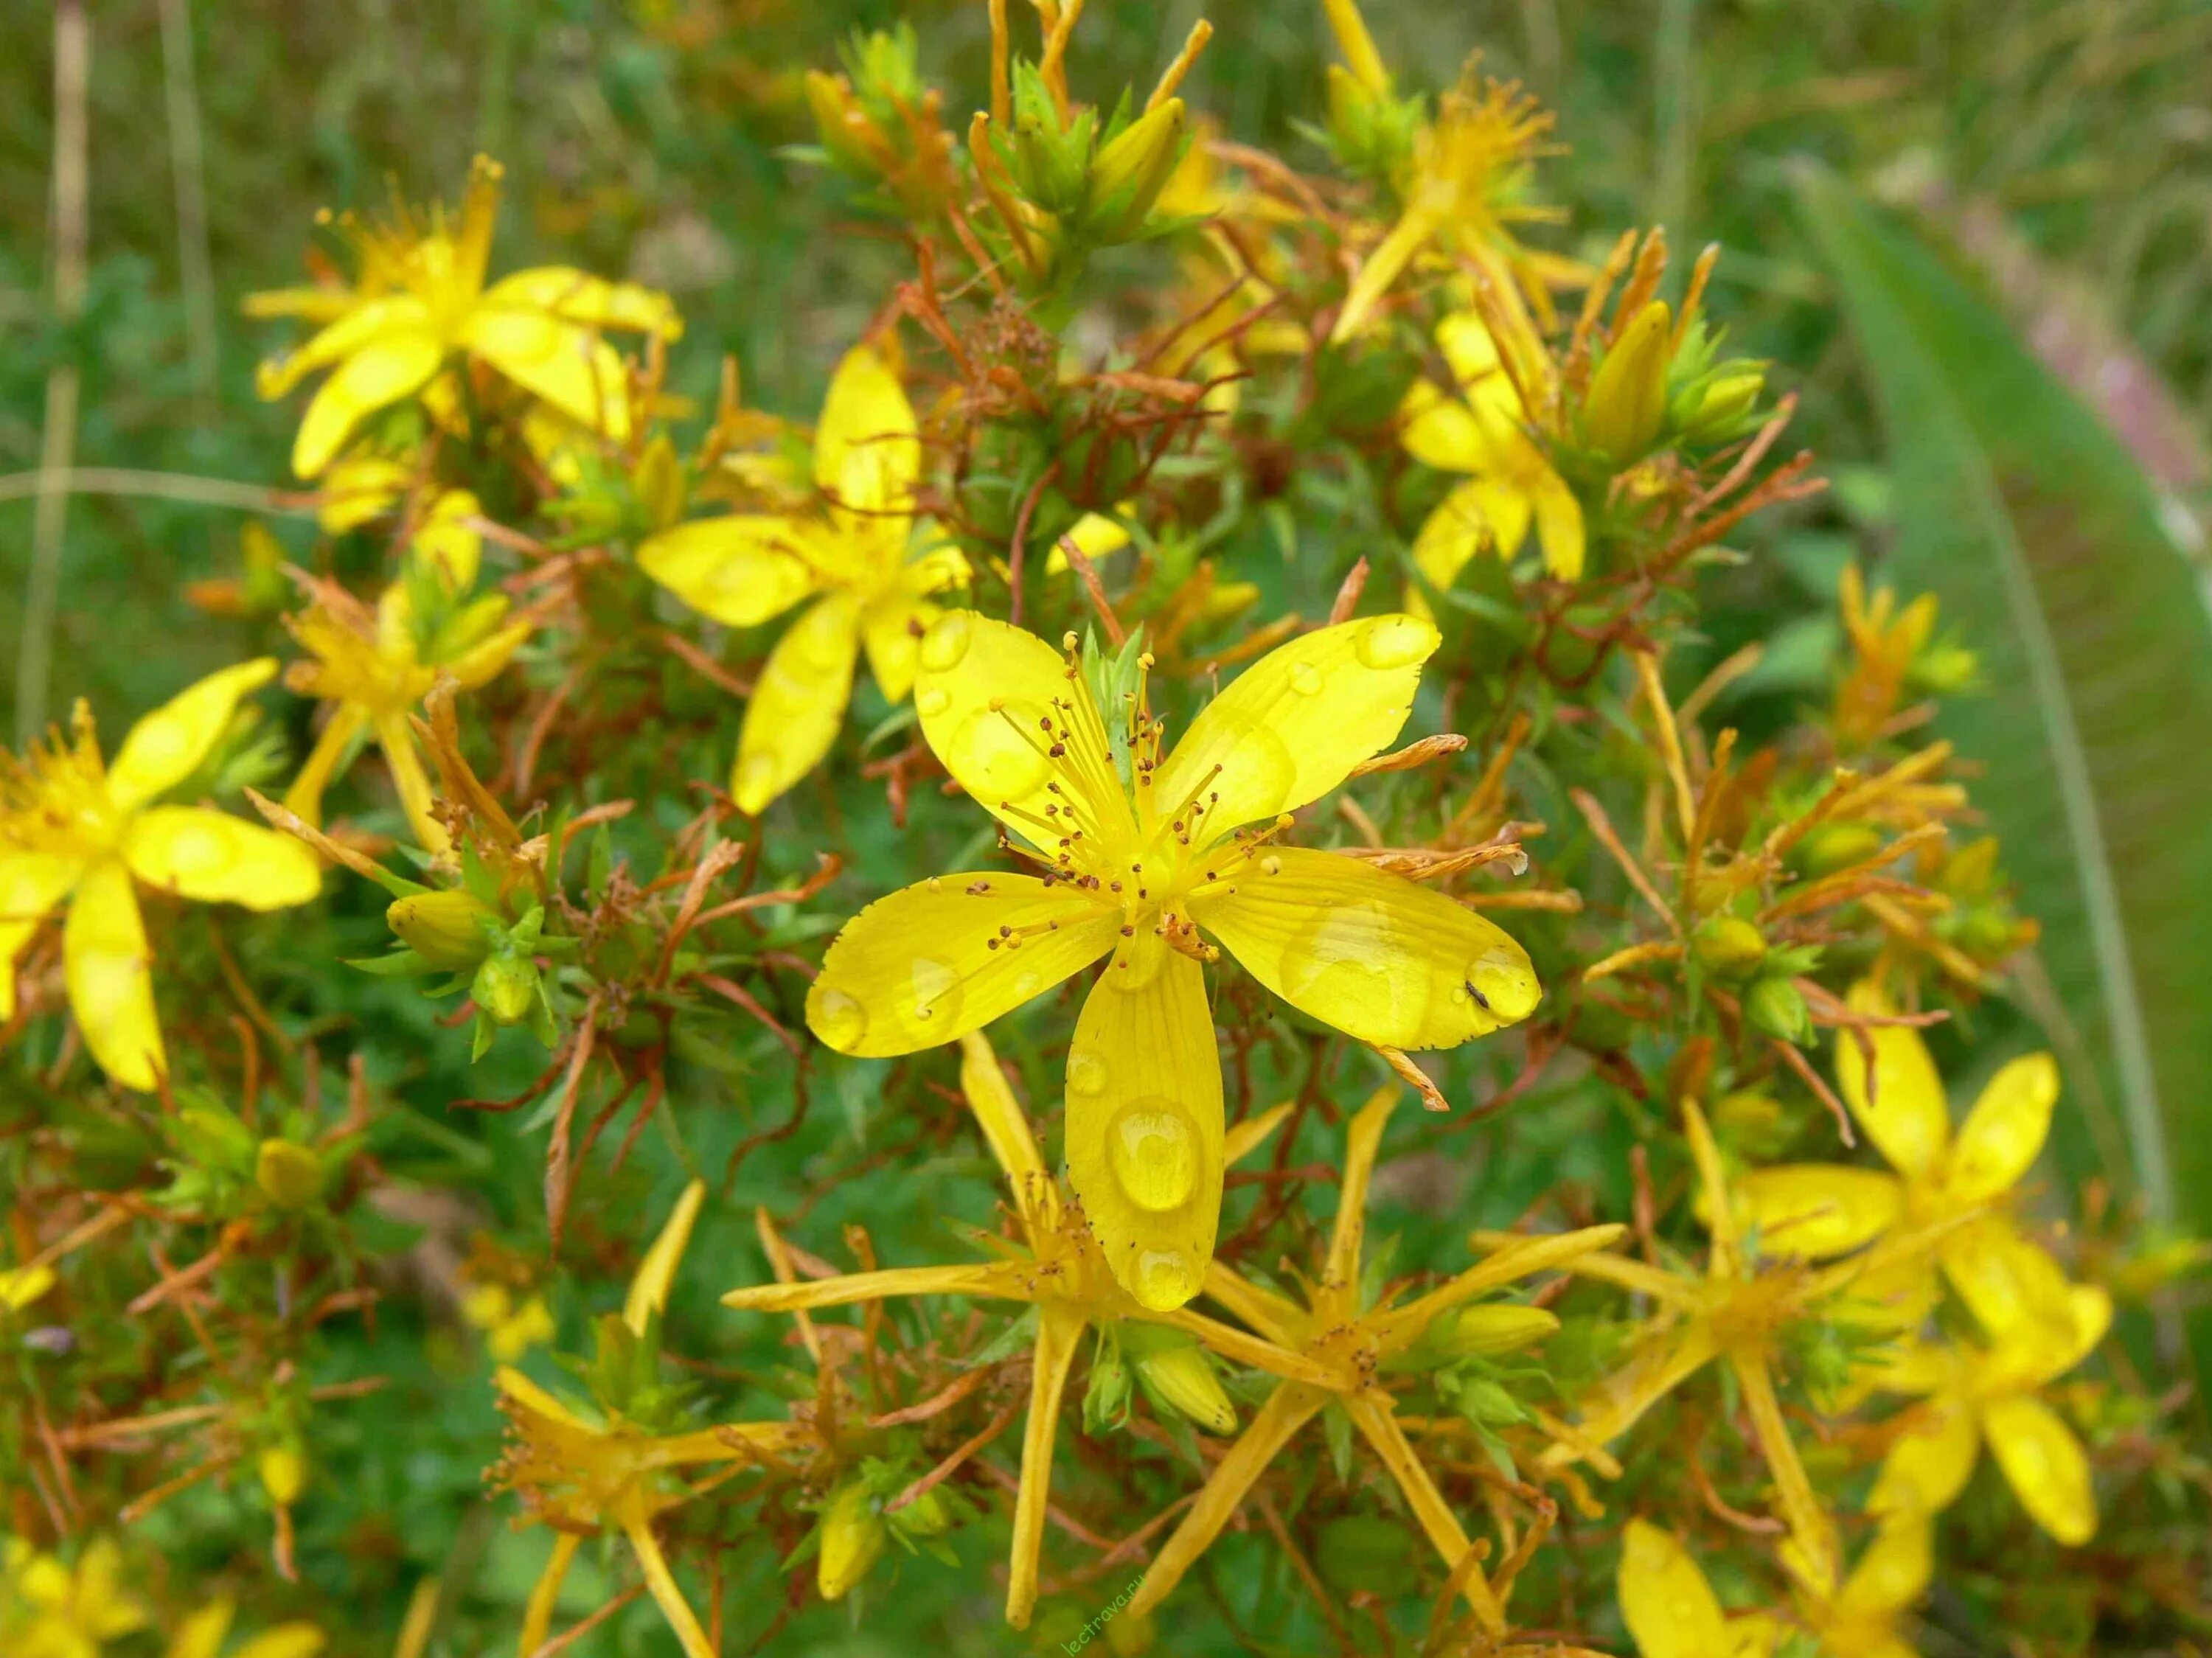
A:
[2045,544]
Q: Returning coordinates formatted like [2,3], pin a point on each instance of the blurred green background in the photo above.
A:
[2050,161]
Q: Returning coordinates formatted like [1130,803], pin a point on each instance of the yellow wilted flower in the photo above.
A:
[49,1610]
[1350,1343]
[1484,432]
[74,828]
[1814,1210]
[580,1470]
[1137,851]
[744,569]
[1056,1268]
[1990,1394]
[376,666]
[420,301]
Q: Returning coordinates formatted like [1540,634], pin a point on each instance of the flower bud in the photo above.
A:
[505,987]
[927,1516]
[1129,173]
[290,1176]
[1719,407]
[1480,1332]
[283,1471]
[853,1536]
[1776,1008]
[1728,946]
[445,929]
[1131,1637]
[1182,1379]
[1363,64]
[1837,846]
[1626,404]
[1480,1399]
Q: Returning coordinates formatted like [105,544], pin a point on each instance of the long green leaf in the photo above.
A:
[2043,540]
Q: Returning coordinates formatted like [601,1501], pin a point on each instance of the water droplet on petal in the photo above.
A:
[1087,1074]
[992,754]
[1396,641]
[937,993]
[837,1017]
[947,641]
[1257,774]
[1506,981]
[1152,1147]
[1163,1279]
[932,699]
[1348,965]
[1305,679]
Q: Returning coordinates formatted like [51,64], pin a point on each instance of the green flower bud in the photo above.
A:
[1480,1399]
[290,1176]
[1728,946]
[1182,1379]
[445,929]
[1721,405]
[211,1135]
[1481,1332]
[1837,846]
[1626,404]
[927,1516]
[853,1534]
[505,987]
[1129,173]
[1776,1008]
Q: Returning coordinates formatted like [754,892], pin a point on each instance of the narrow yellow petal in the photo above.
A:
[1669,1608]
[30,884]
[527,1393]
[397,738]
[1292,725]
[1369,951]
[1793,1488]
[305,796]
[930,963]
[1518,1259]
[110,988]
[1382,267]
[1664,1365]
[867,452]
[1254,1352]
[1370,1412]
[215,859]
[1289,1408]
[1247,1137]
[648,1290]
[393,365]
[1000,1280]
[486,659]
[1891,1573]
[1559,525]
[1144,1120]
[167,745]
[1998,1142]
[1898,1100]
[1481,515]
[545,1594]
[1814,1210]
[569,367]
[2045,1464]
[630,1513]
[1060,1332]
[2010,1284]
[578,297]
[1357,46]
[1928,1464]
[1362,1140]
[892,629]
[1263,1309]
[798,704]
[1006,1126]
[740,569]
[352,325]
[200,1634]
[285,1641]
[1441,431]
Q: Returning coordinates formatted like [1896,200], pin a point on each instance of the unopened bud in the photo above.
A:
[1182,1379]
[283,1471]
[445,929]
[505,987]
[1128,174]
[1728,946]
[290,1176]
[1776,1008]
[1721,405]
[1626,405]
[927,1516]
[1480,1399]
[853,1536]
[1838,845]
[1481,1332]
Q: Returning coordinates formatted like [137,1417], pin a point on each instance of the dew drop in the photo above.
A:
[1305,679]
[1163,1279]
[932,699]
[837,1017]
[1256,777]
[936,993]
[947,641]
[1396,641]
[991,754]
[1507,983]
[1087,1074]
[1152,1147]
[1346,965]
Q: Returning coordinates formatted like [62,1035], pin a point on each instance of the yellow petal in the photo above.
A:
[1898,1100]
[397,738]
[486,659]
[1371,1413]
[999,1115]
[1811,1210]
[2007,1283]
[986,691]
[1482,515]
[1472,354]
[1441,431]
[2047,1467]
[797,706]
[527,1393]
[446,543]
[630,1513]
[892,629]
[333,745]
[1372,953]
[111,990]
[2006,1129]
[867,452]
[285,1641]
[931,962]
[1519,1258]
[1928,1463]
[200,1634]
[648,1290]
[1892,1574]
[1382,268]
[31,883]
[1247,1137]
[355,326]
[359,489]
[1669,1608]
[1144,1120]
[995,1280]
[1559,526]
[215,859]
[545,1593]
[167,745]
[569,367]
[1292,725]
[578,297]
[740,569]
[2040,1349]
[393,365]
[1060,1332]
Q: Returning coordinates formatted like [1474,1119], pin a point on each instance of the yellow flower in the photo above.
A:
[377,666]
[580,1472]
[48,1610]
[1137,852]
[1990,1394]
[512,1325]
[1672,1612]
[200,1635]
[1942,1185]
[422,301]
[1484,432]
[72,828]
[852,557]
[1350,1343]
[1056,1268]
[22,1286]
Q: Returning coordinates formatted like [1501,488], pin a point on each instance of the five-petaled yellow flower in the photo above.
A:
[1945,1187]
[1137,850]
[1484,432]
[420,301]
[73,828]
[744,568]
